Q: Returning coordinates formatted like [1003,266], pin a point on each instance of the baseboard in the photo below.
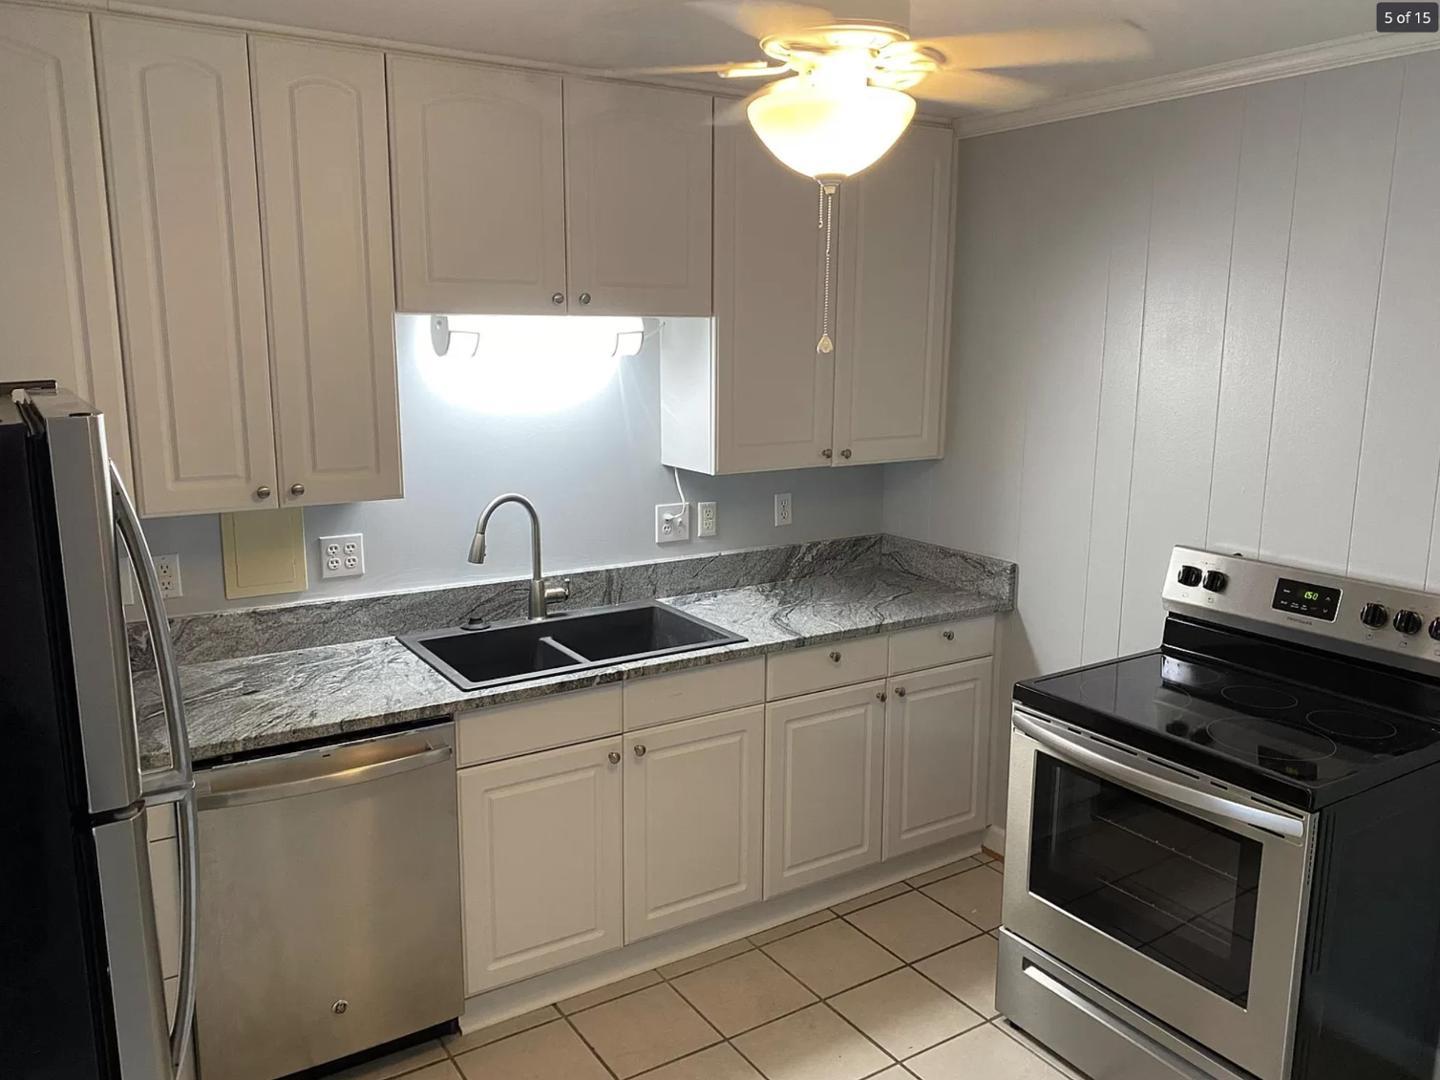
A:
[994,840]
[505,1002]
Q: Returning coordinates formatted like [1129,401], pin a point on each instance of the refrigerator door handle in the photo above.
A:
[178,782]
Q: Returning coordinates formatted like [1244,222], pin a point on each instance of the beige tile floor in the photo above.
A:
[895,985]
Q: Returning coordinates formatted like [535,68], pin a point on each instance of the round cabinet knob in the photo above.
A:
[835,656]
[584,298]
[948,635]
[557,298]
[1190,576]
[1215,581]
[1374,615]
[1408,622]
[899,691]
[879,695]
[827,453]
[640,749]
[297,489]
[339,1007]
[614,757]
[1435,629]
[845,453]
[262,492]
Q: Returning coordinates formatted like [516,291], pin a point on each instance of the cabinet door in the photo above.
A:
[540,855]
[325,202]
[181,155]
[57,292]
[824,768]
[478,158]
[937,738]
[637,194]
[894,306]
[694,815]
[774,392]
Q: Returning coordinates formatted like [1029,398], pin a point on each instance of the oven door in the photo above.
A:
[1183,896]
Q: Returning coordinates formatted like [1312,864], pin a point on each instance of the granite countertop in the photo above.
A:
[280,699]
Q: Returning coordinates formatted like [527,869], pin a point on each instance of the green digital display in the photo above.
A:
[1306,598]
[1310,594]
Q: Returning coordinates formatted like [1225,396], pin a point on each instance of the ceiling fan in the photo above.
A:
[847,78]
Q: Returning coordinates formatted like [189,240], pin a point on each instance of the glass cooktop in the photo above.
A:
[1205,714]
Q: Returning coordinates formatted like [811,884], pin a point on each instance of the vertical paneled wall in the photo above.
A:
[1211,321]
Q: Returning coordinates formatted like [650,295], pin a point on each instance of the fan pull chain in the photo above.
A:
[827,222]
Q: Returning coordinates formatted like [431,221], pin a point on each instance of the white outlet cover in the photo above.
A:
[342,556]
[672,523]
[706,519]
[167,570]
[784,514]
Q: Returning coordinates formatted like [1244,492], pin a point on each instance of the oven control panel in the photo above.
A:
[1326,610]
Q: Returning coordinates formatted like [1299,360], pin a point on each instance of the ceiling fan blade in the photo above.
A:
[978,89]
[1035,48]
[688,69]
[761,18]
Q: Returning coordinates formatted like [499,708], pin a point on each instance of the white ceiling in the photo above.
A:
[1187,34]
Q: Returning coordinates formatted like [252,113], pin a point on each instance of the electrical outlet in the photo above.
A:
[783,515]
[706,519]
[167,569]
[672,522]
[342,556]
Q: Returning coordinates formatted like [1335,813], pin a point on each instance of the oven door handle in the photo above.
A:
[1162,788]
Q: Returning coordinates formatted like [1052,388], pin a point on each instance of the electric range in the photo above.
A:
[1224,854]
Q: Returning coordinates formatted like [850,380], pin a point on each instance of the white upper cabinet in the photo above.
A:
[773,388]
[637,188]
[57,292]
[894,302]
[320,125]
[755,394]
[181,156]
[478,158]
[937,741]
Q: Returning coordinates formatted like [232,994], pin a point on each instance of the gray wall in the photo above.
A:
[592,470]
[1211,321]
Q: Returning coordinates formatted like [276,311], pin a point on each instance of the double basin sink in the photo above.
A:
[562,643]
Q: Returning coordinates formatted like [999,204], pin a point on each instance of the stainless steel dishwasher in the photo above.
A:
[330,903]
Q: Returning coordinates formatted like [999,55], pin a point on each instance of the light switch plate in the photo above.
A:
[672,523]
[342,556]
[705,518]
[783,513]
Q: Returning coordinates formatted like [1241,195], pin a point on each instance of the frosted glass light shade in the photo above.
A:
[825,132]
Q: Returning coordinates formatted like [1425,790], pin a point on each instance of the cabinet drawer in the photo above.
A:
[507,731]
[943,643]
[825,666]
[713,689]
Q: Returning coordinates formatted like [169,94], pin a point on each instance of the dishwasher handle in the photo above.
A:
[278,780]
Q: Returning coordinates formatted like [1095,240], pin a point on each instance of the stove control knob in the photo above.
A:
[1215,580]
[1408,622]
[1435,629]
[1375,615]
[1190,576]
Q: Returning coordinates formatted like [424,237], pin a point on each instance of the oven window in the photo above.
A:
[1176,888]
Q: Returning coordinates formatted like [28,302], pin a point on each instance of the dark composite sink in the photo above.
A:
[564,642]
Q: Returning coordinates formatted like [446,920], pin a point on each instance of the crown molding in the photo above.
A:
[1305,60]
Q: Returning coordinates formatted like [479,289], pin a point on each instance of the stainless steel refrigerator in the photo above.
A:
[81,992]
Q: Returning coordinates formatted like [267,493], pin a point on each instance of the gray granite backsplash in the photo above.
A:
[227,635]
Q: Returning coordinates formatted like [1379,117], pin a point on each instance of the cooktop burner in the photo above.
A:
[1308,736]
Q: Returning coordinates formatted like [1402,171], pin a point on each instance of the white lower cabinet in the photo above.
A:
[936,749]
[824,771]
[694,815]
[540,839]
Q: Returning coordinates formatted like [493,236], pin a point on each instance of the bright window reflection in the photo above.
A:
[516,365]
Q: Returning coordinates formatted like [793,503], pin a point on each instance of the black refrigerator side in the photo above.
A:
[55,1014]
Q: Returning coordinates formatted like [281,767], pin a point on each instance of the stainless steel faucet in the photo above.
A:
[540,594]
